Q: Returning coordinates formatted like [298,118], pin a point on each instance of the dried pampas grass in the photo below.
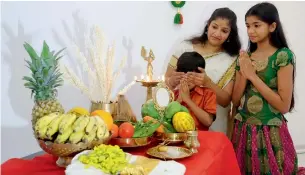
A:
[97,66]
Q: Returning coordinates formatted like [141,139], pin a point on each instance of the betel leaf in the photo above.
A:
[145,129]
[169,128]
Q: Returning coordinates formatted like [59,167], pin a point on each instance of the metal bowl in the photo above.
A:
[167,155]
[66,151]
[172,138]
[130,142]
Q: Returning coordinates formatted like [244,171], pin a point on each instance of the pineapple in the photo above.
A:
[44,81]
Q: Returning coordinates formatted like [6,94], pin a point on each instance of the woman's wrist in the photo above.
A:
[168,82]
[207,82]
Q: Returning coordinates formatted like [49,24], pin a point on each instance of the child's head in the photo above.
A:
[189,62]
[263,24]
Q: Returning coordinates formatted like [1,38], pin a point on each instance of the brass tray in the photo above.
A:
[172,138]
[172,152]
[66,151]
[131,142]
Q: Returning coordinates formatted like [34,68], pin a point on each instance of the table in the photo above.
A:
[215,157]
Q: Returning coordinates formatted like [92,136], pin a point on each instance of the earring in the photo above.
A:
[228,40]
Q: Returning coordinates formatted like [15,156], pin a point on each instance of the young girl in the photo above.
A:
[263,92]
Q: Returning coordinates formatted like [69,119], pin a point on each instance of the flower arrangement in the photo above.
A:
[98,66]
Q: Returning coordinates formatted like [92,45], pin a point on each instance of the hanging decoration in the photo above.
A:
[178,17]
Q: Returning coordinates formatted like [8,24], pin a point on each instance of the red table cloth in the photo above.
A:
[215,157]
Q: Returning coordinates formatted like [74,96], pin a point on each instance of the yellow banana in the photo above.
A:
[76,137]
[106,132]
[90,125]
[100,128]
[79,111]
[53,126]
[100,132]
[82,123]
[77,121]
[45,121]
[42,133]
[63,137]
[66,122]
[90,136]
[99,121]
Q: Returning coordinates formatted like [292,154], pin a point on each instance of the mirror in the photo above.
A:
[162,96]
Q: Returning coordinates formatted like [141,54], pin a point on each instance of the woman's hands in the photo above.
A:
[199,79]
[174,79]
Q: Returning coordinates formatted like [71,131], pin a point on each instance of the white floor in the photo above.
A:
[301,160]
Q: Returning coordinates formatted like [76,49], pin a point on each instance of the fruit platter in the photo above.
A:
[65,135]
[82,138]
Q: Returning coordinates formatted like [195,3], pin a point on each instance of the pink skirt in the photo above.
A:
[263,149]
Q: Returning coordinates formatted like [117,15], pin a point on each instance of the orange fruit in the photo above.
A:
[106,116]
[160,129]
[115,131]
[148,118]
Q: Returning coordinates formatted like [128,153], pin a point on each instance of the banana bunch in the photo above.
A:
[79,111]
[70,128]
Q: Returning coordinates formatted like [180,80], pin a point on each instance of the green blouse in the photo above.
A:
[254,109]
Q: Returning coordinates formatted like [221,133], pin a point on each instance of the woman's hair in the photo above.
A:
[232,45]
[269,14]
[189,62]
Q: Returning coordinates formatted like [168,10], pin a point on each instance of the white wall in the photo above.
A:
[131,25]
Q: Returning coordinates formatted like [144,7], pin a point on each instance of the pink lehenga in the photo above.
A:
[265,150]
